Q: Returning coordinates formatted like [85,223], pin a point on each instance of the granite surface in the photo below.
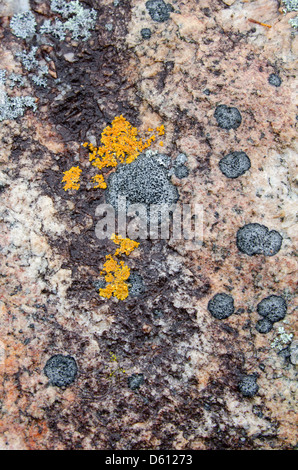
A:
[157,370]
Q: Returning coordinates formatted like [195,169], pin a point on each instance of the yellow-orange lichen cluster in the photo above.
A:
[120,144]
[115,272]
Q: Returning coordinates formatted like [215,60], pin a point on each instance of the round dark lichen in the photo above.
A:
[61,370]
[135,381]
[234,164]
[227,117]
[181,171]
[248,386]
[144,181]
[264,326]
[254,239]
[273,308]
[221,306]
[274,80]
[159,10]
[136,284]
[146,33]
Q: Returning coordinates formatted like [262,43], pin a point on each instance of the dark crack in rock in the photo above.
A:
[254,239]
[221,306]
[273,308]
[234,164]
[61,370]
[227,117]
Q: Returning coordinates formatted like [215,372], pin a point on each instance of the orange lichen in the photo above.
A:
[116,272]
[126,245]
[99,182]
[71,178]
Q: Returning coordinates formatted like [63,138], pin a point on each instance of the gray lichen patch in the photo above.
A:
[135,381]
[221,306]
[254,239]
[136,284]
[248,386]
[227,117]
[264,326]
[234,164]
[144,181]
[159,10]
[274,80]
[23,25]
[273,308]
[61,370]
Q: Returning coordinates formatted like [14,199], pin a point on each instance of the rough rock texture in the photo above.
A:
[156,371]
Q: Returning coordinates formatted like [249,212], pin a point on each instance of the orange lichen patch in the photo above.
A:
[99,182]
[71,178]
[116,272]
[126,245]
[116,275]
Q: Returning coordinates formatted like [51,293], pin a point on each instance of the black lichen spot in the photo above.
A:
[146,33]
[181,171]
[159,10]
[135,381]
[255,239]
[227,117]
[136,285]
[207,92]
[273,308]
[144,181]
[61,370]
[248,386]
[221,306]
[234,164]
[274,80]
[264,326]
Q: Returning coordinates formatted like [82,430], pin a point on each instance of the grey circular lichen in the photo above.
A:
[136,284]
[181,171]
[248,386]
[273,308]
[61,370]
[227,117]
[159,10]
[254,239]
[234,164]
[221,306]
[135,381]
[144,181]
[146,33]
[274,80]
[264,326]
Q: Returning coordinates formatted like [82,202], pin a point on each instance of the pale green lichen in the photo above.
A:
[14,107]
[23,25]
[290,5]
[282,339]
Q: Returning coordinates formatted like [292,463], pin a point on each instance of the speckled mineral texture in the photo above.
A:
[157,370]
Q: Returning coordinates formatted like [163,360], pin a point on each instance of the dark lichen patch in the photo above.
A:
[144,181]
[273,308]
[221,306]
[274,80]
[264,326]
[146,33]
[234,164]
[181,171]
[61,370]
[248,386]
[254,239]
[135,381]
[136,284]
[159,10]
[227,117]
